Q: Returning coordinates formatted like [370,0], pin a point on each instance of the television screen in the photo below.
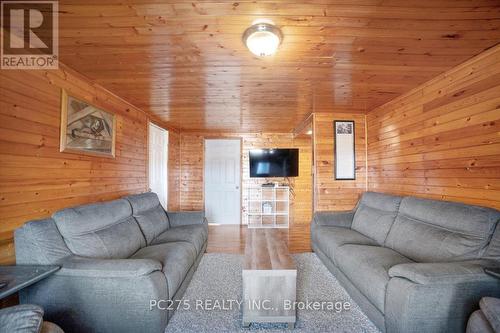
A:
[274,162]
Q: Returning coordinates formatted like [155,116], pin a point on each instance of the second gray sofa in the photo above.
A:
[413,265]
[487,318]
[116,258]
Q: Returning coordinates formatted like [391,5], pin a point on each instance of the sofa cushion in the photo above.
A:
[25,318]
[195,234]
[367,268]
[493,249]
[328,239]
[434,231]
[491,309]
[180,218]
[176,259]
[334,218]
[149,214]
[102,230]
[39,242]
[478,323]
[452,273]
[375,215]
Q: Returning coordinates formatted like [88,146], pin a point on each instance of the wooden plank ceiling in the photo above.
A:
[185,60]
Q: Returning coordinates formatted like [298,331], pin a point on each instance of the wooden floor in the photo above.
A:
[231,238]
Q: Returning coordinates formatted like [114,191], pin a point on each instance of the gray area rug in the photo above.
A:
[218,278]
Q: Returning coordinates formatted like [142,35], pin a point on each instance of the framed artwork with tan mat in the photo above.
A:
[85,128]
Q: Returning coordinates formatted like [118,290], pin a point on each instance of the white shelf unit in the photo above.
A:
[268,207]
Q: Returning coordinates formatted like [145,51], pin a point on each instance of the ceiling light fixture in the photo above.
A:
[263,39]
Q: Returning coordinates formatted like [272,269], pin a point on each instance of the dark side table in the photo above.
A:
[15,278]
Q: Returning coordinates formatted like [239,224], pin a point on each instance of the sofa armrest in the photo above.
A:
[102,295]
[445,272]
[334,219]
[436,297]
[178,219]
[107,268]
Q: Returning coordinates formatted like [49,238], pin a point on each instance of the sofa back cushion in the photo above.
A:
[149,214]
[102,230]
[434,231]
[375,214]
[39,242]
[493,249]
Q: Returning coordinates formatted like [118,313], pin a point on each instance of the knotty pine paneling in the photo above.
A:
[302,185]
[185,61]
[331,194]
[191,170]
[35,178]
[442,139]
[192,156]
[174,170]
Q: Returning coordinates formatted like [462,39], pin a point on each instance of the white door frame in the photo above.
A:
[164,161]
[240,172]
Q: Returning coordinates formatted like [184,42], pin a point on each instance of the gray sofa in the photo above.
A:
[116,257]
[487,318]
[26,318]
[413,265]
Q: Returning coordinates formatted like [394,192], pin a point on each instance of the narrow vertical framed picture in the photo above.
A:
[344,150]
[86,129]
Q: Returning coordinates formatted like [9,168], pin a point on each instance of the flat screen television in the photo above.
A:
[274,162]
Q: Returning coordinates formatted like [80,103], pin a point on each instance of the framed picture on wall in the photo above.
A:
[344,154]
[86,129]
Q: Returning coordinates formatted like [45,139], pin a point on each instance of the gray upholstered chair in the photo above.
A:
[26,318]
[487,318]
[115,257]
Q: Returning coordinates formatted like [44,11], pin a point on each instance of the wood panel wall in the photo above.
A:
[191,170]
[174,170]
[303,185]
[441,140]
[35,178]
[192,157]
[331,194]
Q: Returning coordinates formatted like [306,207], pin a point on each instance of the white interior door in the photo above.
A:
[222,181]
[158,152]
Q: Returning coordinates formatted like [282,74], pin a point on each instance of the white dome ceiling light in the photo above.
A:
[263,39]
